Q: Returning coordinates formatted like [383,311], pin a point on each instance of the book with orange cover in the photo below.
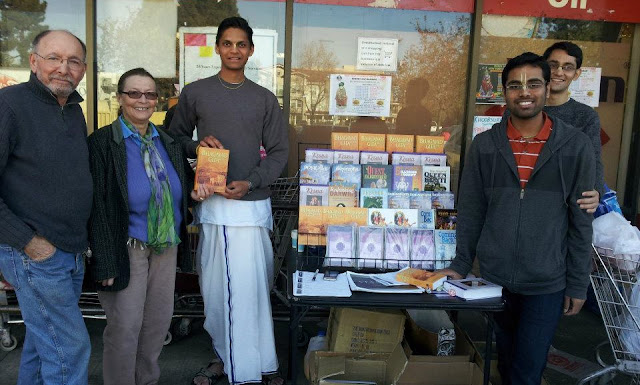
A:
[421,278]
[371,142]
[344,141]
[430,144]
[311,220]
[316,219]
[212,167]
[400,143]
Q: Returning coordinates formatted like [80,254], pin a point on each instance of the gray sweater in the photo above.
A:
[241,119]
[534,240]
[45,183]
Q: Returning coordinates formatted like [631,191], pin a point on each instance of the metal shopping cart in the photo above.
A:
[615,282]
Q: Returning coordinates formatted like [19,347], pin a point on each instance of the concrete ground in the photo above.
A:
[577,336]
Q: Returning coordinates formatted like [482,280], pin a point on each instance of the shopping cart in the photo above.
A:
[615,283]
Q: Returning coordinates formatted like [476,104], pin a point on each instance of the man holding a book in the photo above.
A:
[519,214]
[235,257]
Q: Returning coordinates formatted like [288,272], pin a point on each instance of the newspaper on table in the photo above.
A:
[380,283]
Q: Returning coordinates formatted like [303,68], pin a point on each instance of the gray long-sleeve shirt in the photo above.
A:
[241,119]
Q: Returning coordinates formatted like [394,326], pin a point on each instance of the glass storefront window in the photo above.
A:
[605,45]
[22,21]
[427,87]
[174,41]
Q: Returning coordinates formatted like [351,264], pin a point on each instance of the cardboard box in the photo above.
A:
[431,370]
[426,343]
[365,331]
[329,368]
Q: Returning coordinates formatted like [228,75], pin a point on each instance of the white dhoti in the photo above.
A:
[235,266]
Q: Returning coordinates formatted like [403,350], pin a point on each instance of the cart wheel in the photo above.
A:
[9,347]
[303,338]
[168,338]
[182,328]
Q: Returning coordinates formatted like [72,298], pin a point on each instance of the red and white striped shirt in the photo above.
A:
[526,150]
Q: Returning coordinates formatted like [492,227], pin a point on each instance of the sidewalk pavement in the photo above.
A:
[181,359]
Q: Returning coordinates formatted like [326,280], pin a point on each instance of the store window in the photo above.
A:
[174,41]
[22,21]
[424,64]
[606,48]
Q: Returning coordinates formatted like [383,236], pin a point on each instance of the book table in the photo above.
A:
[300,305]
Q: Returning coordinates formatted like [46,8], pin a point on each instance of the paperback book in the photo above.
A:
[374,198]
[211,169]
[427,219]
[473,288]
[442,200]
[343,195]
[393,217]
[346,157]
[314,195]
[344,141]
[380,283]
[437,178]
[396,251]
[421,278]
[400,143]
[423,252]
[433,159]
[370,247]
[406,159]
[407,178]
[318,155]
[340,246]
[347,174]
[315,173]
[399,200]
[374,157]
[420,200]
[430,144]
[371,142]
[445,242]
[446,219]
[377,176]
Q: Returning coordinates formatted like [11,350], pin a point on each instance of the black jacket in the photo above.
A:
[109,222]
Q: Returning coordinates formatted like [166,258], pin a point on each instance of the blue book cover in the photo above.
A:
[346,173]
[442,200]
[315,173]
[420,200]
[407,178]
[398,200]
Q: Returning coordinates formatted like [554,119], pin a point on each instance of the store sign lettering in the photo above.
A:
[564,3]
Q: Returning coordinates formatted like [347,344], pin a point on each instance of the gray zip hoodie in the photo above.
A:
[534,240]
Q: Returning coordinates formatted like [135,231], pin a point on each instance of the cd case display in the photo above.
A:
[340,246]
[371,247]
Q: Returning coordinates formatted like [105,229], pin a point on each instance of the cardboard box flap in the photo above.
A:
[396,365]
[326,364]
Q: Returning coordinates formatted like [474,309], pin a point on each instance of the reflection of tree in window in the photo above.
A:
[315,63]
[585,30]
[441,58]
[20,22]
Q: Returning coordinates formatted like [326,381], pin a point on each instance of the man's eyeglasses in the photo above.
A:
[529,86]
[566,68]
[137,94]
[54,62]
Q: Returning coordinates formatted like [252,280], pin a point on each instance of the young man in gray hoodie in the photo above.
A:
[518,213]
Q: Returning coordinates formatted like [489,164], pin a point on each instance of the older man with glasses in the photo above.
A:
[45,203]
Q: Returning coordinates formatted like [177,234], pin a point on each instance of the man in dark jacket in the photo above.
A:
[45,202]
[518,213]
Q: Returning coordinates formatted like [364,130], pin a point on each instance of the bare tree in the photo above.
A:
[316,63]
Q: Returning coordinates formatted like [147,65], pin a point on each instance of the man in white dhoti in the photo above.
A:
[235,257]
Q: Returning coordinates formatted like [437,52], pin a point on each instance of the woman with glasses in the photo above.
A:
[142,185]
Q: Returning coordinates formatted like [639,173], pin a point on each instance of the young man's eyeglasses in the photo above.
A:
[55,61]
[566,68]
[137,94]
[532,86]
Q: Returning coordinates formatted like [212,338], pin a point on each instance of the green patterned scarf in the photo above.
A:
[161,229]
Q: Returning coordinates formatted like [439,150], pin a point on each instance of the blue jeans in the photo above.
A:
[56,346]
[524,331]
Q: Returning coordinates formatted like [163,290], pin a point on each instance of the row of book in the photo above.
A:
[373,157]
[338,195]
[390,177]
[389,143]
[362,247]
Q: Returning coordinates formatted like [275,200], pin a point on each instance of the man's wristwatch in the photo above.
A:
[251,187]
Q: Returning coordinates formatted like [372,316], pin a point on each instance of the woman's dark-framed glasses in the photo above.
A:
[137,94]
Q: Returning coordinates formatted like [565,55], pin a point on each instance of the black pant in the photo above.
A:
[524,331]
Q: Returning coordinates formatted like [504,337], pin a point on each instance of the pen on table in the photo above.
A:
[315,275]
